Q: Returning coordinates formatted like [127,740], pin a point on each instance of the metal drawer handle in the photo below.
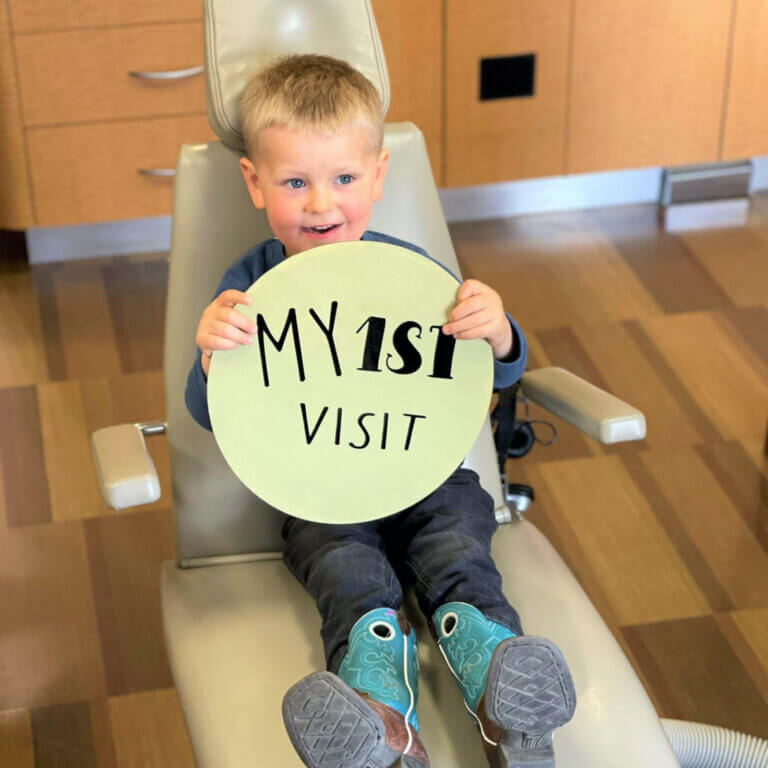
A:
[173,74]
[157,171]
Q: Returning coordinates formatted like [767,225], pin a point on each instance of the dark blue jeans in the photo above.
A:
[440,546]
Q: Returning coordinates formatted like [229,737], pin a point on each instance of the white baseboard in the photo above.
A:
[554,193]
[488,201]
[759,173]
[108,238]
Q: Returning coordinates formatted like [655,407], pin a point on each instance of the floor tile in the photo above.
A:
[125,554]
[696,675]
[49,646]
[597,506]
[16,746]
[149,731]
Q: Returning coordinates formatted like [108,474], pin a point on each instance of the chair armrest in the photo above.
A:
[589,408]
[126,472]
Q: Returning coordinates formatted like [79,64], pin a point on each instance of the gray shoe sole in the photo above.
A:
[529,693]
[330,726]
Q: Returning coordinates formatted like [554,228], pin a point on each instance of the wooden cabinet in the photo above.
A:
[93,133]
[89,126]
[15,198]
[95,84]
[647,82]
[746,117]
[510,138]
[617,84]
[47,15]
[91,172]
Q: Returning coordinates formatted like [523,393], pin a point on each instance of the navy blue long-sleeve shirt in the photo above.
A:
[260,259]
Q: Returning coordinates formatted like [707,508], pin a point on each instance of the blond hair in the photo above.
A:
[308,91]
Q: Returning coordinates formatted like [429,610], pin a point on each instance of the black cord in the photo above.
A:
[530,422]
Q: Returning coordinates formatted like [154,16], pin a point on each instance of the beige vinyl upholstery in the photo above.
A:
[243,634]
[596,413]
[239,629]
[236,43]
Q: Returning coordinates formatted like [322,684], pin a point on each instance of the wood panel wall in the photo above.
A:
[412,36]
[500,139]
[15,198]
[647,82]
[746,120]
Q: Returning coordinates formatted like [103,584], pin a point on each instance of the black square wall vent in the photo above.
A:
[506,77]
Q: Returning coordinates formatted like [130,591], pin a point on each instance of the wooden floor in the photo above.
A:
[669,537]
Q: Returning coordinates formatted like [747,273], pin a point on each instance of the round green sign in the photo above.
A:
[351,404]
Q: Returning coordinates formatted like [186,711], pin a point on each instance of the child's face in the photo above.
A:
[306,179]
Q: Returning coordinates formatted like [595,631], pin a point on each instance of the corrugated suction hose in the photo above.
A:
[707,746]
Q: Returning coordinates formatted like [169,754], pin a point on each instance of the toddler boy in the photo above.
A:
[313,128]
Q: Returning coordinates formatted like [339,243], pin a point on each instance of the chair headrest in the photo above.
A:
[241,35]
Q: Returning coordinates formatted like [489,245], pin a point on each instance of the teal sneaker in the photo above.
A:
[365,715]
[517,688]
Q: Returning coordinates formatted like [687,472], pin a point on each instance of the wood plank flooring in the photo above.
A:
[668,536]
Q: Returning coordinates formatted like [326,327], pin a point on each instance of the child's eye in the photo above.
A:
[346,178]
[298,185]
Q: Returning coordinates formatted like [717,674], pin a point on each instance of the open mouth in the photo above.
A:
[321,230]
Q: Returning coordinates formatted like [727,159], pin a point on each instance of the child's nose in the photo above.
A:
[319,199]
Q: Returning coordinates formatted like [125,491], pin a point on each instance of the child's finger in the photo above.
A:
[227,331]
[213,342]
[467,307]
[231,297]
[478,332]
[235,318]
[465,323]
[469,288]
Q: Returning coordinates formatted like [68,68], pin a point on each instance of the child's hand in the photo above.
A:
[479,314]
[223,327]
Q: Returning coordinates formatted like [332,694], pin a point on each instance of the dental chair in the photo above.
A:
[239,629]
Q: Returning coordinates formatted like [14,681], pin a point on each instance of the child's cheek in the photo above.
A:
[359,210]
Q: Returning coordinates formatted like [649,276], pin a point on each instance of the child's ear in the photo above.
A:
[381,172]
[252,182]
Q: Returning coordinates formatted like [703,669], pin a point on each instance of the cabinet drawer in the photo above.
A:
[80,76]
[88,173]
[47,15]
